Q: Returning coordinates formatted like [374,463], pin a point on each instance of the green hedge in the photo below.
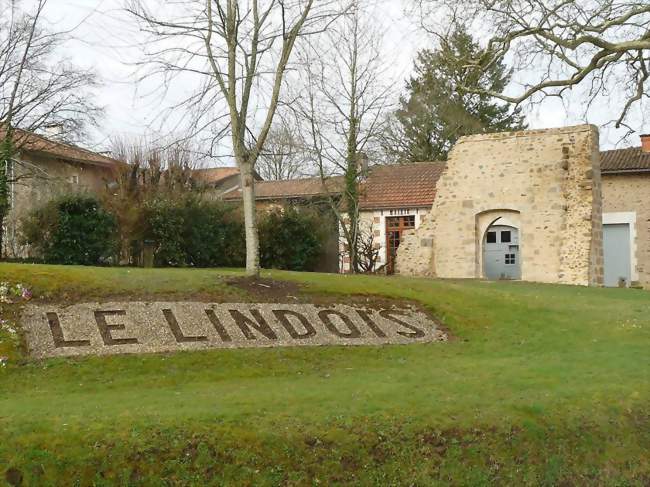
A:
[73,229]
[195,233]
[291,239]
[184,232]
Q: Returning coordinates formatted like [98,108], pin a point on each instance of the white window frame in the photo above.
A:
[629,218]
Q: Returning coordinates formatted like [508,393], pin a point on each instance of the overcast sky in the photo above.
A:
[107,39]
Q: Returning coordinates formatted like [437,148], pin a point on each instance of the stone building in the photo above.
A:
[45,169]
[541,205]
[626,214]
[515,205]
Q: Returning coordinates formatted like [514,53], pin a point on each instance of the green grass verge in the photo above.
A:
[543,385]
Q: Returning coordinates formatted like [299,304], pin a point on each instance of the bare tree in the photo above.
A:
[368,252]
[238,52]
[556,45]
[343,107]
[284,155]
[38,90]
[151,171]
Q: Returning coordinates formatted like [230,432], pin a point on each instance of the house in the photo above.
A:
[221,181]
[393,199]
[626,214]
[306,192]
[537,205]
[43,169]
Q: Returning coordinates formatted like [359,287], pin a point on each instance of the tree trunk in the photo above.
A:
[5,159]
[250,220]
[2,233]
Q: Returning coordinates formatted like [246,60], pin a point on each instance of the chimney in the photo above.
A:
[645,143]
[362,164]
[54,131]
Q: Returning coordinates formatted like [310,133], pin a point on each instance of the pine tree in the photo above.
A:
[434,113]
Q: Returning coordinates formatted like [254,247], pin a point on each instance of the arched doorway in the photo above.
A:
[501,257]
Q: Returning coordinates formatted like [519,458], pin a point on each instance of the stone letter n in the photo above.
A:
[57,334]
[245,324]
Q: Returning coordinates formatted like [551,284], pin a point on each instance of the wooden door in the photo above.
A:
[395,226]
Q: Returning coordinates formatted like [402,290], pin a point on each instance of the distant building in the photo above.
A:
[626,214]
[393,199]
[47,169]
[221,181]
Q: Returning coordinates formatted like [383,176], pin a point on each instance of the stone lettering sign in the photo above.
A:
[112,328]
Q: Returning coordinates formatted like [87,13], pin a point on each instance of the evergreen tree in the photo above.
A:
[435,113]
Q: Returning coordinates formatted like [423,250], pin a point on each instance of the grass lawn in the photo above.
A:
[542,385]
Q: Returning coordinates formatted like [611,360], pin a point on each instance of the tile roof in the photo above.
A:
[632,159]
[390,186]
[292,188]
[214,174]
[31,142]
[401,186]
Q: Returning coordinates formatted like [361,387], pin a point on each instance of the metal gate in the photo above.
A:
[501,257]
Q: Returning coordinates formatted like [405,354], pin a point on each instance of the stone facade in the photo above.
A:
[50,178]
[630,194]
[546,183]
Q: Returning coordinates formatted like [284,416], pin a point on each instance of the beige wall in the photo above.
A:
[49,178]
[625,193]
[546,180]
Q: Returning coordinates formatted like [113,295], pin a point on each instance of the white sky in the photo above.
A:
[107,40]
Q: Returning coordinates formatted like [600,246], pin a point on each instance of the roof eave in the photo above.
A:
[387,207]
[624,171]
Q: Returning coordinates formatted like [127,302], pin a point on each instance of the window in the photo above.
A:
[409,221]
[492,237]
[74,179]
[506,237]
[511,259]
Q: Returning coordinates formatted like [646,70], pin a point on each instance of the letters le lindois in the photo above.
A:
[133,327]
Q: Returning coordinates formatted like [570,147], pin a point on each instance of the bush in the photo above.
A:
[291,239]
[73,229]
[189,232]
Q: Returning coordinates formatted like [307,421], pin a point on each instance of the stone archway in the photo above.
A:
[499,244]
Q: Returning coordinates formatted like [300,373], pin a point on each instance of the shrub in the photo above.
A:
[291,239]
[73,229]
[215,237]
[165,225]
[190,232]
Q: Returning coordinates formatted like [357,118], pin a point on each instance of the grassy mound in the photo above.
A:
[542,385]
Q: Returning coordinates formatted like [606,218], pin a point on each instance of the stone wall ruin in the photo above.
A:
[547,183]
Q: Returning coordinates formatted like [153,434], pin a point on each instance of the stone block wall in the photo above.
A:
[547,181]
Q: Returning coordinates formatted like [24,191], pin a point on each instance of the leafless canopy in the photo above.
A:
[604,45]
[237,53]
[39,88]
[284,155]
[341,100]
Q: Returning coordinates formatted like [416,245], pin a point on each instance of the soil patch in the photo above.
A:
[268,290]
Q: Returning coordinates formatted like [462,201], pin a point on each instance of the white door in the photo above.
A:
[501,253]
[616,253]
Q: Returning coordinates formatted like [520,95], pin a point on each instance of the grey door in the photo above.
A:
[616,252]
[501,253]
